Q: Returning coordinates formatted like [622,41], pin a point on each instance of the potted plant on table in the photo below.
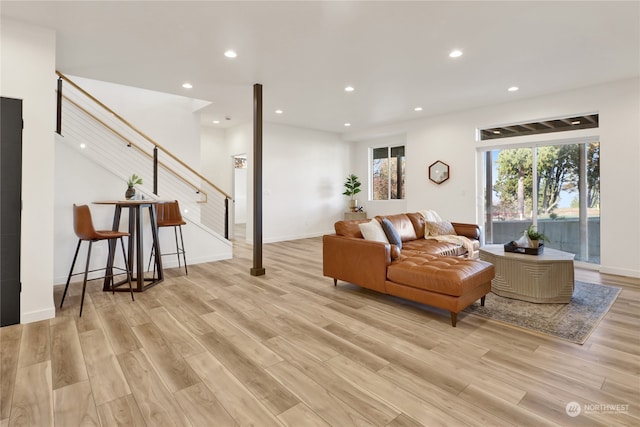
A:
[131,192]
[535,236]
[352,187]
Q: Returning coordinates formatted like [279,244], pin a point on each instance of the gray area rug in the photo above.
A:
[572,322]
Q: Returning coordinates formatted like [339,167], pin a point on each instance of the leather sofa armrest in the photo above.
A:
[471,231]
[355,260]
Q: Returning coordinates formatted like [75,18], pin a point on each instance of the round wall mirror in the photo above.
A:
[439,172]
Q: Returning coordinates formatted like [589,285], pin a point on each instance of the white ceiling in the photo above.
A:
[395,54]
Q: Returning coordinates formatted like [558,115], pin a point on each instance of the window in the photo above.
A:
[556,187]
[387,173]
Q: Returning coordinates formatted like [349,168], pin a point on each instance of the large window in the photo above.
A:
[387,173]
[555,187]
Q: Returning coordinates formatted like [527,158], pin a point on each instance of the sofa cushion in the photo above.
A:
[433,247]
[372,230]
[445,275]
[439,228]
[391,233]
[418,223]
[349,228]
[403,225]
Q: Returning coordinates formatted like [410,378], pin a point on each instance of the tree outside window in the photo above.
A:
[388,173]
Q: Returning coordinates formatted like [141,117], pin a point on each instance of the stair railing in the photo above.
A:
[109,139]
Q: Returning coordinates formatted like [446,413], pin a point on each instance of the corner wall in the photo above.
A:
[28,73]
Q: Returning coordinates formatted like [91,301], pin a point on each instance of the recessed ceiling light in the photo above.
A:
[575,122]
[347,124]
[216,122]
[417,109]
[349,89]
[230,54]
[513,88]
[279,111]
[83,145]
[187,85]
[497,132]
[455,53]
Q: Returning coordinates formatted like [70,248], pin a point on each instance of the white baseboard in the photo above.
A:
[620,271]
[36,316]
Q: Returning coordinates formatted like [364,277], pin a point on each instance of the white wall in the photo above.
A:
[27,68]
[214,153]
[171,121]
[303,173]
[452,139]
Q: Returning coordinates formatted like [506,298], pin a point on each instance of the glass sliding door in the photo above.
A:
[555,187]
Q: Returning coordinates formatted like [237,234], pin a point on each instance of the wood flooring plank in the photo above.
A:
[406,332]
[123,411]
[73,405]
[376,385]
[35,344]
[10,337]
[33,396]
[181,290]
[179,337]
[182,313]
[316,397]
[256,351]
[105,375]
[134,313]
[544,382]
[329,340]
[554,408]
[466,412]
[245,408]
[171,367]
[421,363]
[117,330]
[67,360]
[301,415]
[374,410]
[403,420]
[269,391]
[202,407]
[156,403]
[250,325]
[509,412]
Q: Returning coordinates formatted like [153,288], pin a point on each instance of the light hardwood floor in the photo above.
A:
[223,348]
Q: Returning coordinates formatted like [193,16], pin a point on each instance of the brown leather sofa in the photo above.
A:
[424,270]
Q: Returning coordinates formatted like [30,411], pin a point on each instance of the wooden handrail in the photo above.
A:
[142,134]
[137,147]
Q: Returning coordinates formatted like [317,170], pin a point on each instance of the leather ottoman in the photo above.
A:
[450,283]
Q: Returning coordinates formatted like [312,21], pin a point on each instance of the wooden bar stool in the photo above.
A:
[83,227]
[168,215]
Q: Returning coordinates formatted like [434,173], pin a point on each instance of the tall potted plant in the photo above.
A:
[352,187]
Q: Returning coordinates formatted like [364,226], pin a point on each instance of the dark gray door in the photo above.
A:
[10,207]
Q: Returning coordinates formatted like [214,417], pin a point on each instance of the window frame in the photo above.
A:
[402,189]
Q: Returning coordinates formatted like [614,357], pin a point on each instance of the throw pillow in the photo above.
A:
[391,233]
[372,230]
[439,228]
